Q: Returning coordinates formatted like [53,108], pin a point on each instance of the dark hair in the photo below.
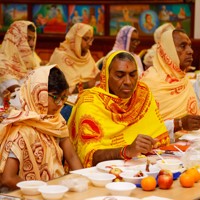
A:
[57,82]
[31,28]
[123,56]
[179,30]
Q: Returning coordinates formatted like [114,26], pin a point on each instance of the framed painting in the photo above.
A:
[10,13]
[146,18]
[88,14]
[50,18]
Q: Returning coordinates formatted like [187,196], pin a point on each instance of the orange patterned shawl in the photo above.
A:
[31,134]
[170,86]
[16,57]
[101,120]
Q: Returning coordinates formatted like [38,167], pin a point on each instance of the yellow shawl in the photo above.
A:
[68,57]
[101,120]
[170,86]
[16,57]
[31,134]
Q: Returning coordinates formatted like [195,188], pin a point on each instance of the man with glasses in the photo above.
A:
[74,58]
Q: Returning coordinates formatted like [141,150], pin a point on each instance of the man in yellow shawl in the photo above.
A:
[34,140]
[118,119]
[169,84]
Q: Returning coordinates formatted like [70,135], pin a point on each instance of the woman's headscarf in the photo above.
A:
[101,120]
[148,58]
[77,68]
[169,84]
[16,56]
[32,125]
[123,38]
[122,42]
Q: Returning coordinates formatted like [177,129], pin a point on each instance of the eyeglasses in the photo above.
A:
[57,99]
[88,39]
[135,41]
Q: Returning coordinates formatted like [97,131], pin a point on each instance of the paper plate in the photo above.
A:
[106,166]
[112,198]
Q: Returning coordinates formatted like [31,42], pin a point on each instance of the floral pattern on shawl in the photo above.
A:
[31,135]
[16,56]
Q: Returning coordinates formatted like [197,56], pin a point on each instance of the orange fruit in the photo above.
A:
[148,183]
[186,180]
[196,174]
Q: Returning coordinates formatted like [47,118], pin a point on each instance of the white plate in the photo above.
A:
[85,171]
[112,198]
[106,166]
[155,198]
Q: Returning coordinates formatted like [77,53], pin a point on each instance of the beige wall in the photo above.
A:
[196,20]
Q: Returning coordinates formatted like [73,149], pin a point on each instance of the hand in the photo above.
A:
[142,144]
[191,122]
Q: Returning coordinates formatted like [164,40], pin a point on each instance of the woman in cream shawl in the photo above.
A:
[101,120]
[74,58]
[169,84]
[16,55]
[34,140]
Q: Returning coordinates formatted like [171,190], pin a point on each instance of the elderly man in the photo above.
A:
[17,56]
[169,84]
[119,119]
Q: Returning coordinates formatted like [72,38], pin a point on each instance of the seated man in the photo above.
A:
[17,56]
[169,84]
[74,58]
[118,119]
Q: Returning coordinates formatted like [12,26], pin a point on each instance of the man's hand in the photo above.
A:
[142,144]
[191,122]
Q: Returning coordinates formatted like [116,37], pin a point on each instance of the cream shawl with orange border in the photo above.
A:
[77,68]
[31,134]
[170,86]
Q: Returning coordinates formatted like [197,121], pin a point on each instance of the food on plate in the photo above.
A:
[118,179]
[139,174]
[147,165]
[116,171]
[186,180]
[148,183]
[165,179]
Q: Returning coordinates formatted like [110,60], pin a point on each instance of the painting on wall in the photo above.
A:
[88,14]
[10,13]
[50,18]
[146,18]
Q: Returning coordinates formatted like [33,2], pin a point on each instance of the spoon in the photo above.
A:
[160,157]
[179,149]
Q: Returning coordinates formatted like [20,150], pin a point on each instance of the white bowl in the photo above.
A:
[170,164]
[52,192]
[120,188]
[101,179]
[129,176]
[30,187]
[153,169]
